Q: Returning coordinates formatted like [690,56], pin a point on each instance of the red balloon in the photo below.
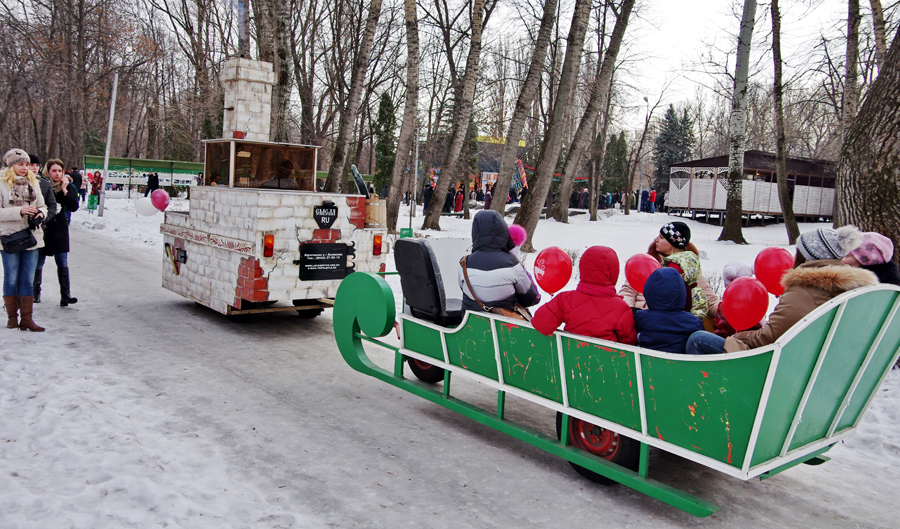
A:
[552,269]
[745,302]
[770,266]
[638,268]
[160,199]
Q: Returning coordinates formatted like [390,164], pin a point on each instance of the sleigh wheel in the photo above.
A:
[600,442]
[425,371]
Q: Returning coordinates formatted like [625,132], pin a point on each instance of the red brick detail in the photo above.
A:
[357,211]
[251,285]
[326,235]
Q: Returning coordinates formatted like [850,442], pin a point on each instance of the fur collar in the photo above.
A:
[832,276]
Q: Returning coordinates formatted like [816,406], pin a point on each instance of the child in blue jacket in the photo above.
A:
[665,325]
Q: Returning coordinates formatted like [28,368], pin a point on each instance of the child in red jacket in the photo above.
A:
[593,308]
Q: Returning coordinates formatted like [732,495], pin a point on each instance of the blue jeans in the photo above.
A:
[18,272]
[62,260]
[705,343]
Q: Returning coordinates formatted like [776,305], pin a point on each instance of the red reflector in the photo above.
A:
[376,250]
[268,245]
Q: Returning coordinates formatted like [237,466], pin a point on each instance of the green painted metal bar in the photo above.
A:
[564,430]
[644,461]
[446,383]
[382,274]
[398,365]
[501,404]
[798,461]
[379,342]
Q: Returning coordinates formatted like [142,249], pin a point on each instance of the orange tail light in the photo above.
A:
[268,245]
[376,250]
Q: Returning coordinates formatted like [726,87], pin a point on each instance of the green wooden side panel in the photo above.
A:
[529,360]
[854,335]
[798,358]
[602,381]
[422,339]
[880,362]
[707,407]
[472,347]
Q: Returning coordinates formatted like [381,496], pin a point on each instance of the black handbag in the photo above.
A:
[18,241]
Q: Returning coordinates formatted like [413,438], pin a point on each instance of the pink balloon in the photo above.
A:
[770,266]
[552,269]
[745,302]
[160,199]
[638,268]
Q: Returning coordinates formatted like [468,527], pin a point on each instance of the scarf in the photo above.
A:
[57,186]
[21,193]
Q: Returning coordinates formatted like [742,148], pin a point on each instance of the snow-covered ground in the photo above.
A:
[140,409]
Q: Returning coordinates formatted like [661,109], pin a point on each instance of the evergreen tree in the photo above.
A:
[674,144]
[385,143]
[615,164]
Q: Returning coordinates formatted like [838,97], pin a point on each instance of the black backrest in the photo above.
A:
[420,278]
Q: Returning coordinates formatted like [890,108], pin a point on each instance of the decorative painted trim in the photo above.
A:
[184,233]
[234,245]
[218,241]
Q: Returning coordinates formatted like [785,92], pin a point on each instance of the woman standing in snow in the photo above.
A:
[56,233]
[21,206]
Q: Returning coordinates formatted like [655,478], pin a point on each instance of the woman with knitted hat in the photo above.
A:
[876,254]
[20,201]
[817,276]
[673,237]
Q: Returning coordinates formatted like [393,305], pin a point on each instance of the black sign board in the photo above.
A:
[325,214]
[320,261]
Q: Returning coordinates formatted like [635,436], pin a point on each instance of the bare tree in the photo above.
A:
[408,127]
[869,170]
[737,129]
[532,205]
[462,112]
[598,97]
[878,29]
[338,169]
[523,104]
[784,195]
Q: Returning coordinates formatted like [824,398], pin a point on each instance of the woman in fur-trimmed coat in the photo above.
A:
[805,288]
[818,276]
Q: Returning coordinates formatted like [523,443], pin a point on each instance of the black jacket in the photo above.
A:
[153,181]
[56,232]
[47,191]
[887,272]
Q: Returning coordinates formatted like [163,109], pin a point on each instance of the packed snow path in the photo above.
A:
[138,408]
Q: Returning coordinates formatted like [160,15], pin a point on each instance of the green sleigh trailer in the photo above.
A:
[750,414]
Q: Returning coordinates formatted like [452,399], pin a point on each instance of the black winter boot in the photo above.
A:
[64,299]
[37,284]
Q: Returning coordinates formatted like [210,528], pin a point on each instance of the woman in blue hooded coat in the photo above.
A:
[497,277]
[665,325]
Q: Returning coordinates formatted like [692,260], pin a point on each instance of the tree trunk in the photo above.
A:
[784,195]
[850,98]
[462,113]
[281,92]
[585,133]
[530,212]
[599,154]
[408,127]
[337,172]
[737,129]
[869,170]
[878,28]
[523,104]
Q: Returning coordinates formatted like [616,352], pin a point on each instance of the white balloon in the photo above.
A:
[145,207]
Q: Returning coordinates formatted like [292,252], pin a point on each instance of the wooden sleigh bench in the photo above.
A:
[750,414]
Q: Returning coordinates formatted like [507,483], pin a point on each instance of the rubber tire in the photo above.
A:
[307,313]
[426,372]
[627,452]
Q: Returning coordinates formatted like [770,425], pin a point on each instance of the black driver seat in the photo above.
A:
[423,289]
